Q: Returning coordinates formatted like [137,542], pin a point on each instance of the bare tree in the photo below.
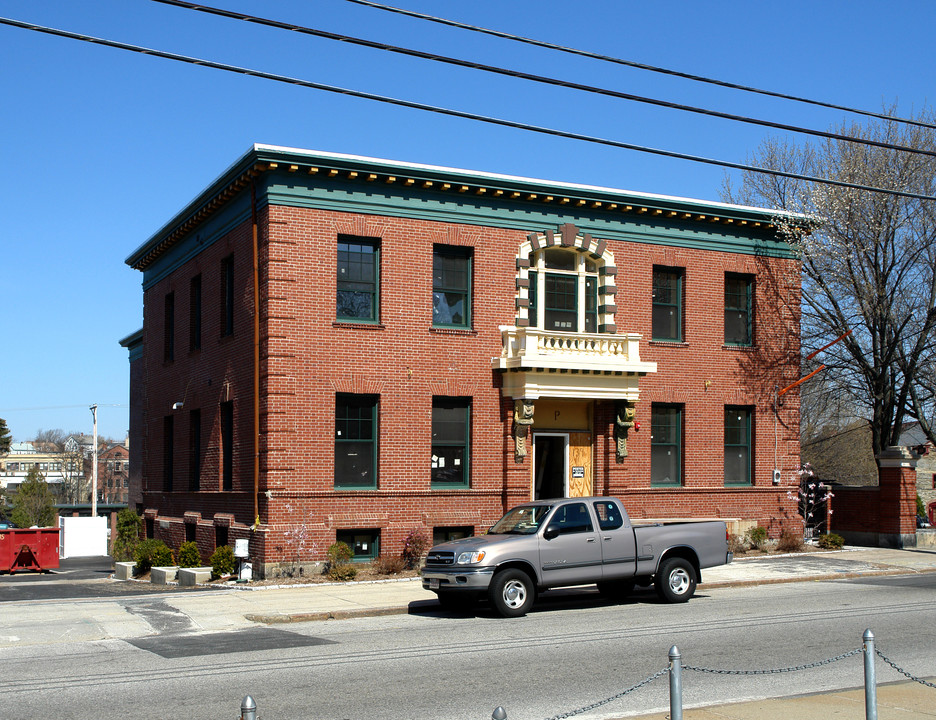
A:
[869,266]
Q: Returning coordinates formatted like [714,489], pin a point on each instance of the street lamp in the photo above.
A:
[94,465]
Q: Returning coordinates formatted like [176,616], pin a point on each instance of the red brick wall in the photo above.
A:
[307,358]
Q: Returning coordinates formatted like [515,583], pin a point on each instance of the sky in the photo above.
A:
[104,146]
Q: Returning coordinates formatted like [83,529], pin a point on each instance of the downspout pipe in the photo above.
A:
[256,352]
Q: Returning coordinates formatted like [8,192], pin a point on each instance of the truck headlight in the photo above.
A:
[467,558]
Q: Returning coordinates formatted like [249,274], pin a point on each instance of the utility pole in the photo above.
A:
[94,468]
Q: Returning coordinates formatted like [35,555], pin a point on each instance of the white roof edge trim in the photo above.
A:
[519,178]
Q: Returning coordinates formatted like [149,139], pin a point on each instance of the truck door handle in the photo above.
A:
[591,539]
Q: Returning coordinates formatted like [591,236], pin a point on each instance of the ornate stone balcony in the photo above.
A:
[540,363]
[534,349]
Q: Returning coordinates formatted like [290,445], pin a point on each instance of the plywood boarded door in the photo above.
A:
[580,464]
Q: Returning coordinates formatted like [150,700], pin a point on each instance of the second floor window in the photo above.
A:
[739,310]
[358,275]
[227,296]
[451,286]
[564,291]
[355,441]
[667,304]
[195,309]
[169,328]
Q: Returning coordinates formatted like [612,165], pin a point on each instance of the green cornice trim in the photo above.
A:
[347,183]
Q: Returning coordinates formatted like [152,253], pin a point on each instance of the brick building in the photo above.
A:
[433,345]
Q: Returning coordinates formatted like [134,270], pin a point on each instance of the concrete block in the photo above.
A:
[194,576]
[124,570]
[163,575]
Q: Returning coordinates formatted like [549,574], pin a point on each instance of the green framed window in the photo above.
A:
[227,445]
[451,442]
[355,441]
[447,534]
[358,275]
[451,286]
[739,309]
[738,446]
[666,430]
[227,296]
[667,304]
[365,544]
[563,293]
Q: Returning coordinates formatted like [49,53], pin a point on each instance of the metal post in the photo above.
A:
[248,708]
[675,684]
[499,713]
[870,682]
[94,464]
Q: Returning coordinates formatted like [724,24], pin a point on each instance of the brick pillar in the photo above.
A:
[897,498]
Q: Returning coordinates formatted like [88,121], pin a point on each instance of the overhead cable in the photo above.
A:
[638,65]
[449,112]
[539,78]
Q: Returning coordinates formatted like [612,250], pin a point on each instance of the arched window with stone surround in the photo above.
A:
[565,283]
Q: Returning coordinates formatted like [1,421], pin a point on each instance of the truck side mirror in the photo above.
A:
[551,532]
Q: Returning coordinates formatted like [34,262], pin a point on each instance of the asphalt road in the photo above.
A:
[567,654]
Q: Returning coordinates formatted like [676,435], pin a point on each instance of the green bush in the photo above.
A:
[831,541]
[189,556]
[339,562]
[222,562]
[129,526]
[152,553]
[757,536]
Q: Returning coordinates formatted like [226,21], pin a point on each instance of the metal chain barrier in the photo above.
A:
[598,704]
[774,671]
[902,671]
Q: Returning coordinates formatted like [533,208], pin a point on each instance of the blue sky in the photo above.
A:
[104,146]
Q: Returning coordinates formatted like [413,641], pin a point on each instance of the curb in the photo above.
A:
[420,605]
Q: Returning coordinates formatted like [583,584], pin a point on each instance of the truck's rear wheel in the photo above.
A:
[676,580]
[512,593]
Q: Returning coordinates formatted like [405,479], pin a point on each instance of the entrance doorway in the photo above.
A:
[550,465]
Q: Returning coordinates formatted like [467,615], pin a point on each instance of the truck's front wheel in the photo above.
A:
[676,580]
[512,593]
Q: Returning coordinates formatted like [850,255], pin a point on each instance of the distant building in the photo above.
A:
[914,438]
[24,457]
[422,347]
[114,473]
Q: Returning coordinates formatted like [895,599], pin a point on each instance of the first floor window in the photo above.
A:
[168,451]
[365,544]
[451,440]
[665,445]
[355,441]
[227,445]
[195,450]
[737,446]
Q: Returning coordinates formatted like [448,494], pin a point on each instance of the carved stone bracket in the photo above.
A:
[523,422]
[624,412]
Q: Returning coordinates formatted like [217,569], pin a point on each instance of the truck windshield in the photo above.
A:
[524,520]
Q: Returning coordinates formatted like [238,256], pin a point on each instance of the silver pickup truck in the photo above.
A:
[573,541]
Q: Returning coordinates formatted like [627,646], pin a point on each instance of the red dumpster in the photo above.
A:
[29,549]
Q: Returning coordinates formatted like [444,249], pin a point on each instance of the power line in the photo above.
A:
[453,113]
[638,65]
[435,57]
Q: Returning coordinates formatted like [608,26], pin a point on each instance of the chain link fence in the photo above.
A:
[674,670]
